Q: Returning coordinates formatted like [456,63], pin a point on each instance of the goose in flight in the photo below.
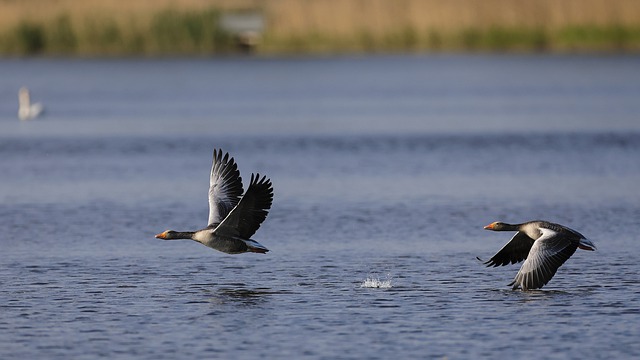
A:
[233,217]
[27,110]
[543,246]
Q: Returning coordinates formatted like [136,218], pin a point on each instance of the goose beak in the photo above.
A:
[161,235]
[490,226]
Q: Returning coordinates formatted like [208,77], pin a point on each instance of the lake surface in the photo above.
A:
[385,169]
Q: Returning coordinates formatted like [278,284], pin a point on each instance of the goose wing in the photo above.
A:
[512,252]
[245,219]
[576,237]
[547,254]
[225,187]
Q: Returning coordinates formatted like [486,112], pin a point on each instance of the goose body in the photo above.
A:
[544,247]
[233,217]
[27,110]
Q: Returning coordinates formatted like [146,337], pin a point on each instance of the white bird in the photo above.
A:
[233,218]
[544,245]
[27,110]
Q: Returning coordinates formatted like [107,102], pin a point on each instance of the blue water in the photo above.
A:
[384,168]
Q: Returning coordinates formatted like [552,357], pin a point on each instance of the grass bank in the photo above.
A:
[192,27]
[166,32]
[494,39]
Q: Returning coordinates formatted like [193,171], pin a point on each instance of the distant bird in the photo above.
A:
[544,245]
[27,110]
[233,218]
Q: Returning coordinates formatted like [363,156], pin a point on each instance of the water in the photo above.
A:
[385,169]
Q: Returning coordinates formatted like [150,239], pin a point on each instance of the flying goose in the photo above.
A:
[233,217]
[543,245]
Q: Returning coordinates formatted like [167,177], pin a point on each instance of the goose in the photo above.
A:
[233,217]
[544,247]
[27,110]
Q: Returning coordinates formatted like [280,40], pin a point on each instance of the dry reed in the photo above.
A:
[136,27]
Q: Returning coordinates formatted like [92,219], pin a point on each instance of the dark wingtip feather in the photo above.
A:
[515,285]
[257,180]
[488,263]
[218,157]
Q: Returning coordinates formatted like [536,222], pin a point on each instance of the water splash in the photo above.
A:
[375,282]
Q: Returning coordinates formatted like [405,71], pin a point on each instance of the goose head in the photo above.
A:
[497,226]
[175,235]
[167,235]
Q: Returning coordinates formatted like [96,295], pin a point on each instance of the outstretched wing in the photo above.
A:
[513,252]
[548,253]
[245,219]
[225,187]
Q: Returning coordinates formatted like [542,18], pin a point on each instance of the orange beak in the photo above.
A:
[161,235]
[490,226]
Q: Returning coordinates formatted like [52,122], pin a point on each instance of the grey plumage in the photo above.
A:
[233,217]
[544,247]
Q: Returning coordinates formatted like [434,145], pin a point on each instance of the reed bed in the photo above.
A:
[157,27]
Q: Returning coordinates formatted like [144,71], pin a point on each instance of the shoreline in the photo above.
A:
[293,27]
